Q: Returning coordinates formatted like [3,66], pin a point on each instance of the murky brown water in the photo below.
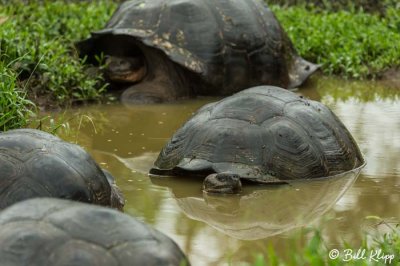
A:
[219,230]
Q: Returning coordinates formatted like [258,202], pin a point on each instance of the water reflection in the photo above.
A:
[133,131]
[376,126]
[260,211]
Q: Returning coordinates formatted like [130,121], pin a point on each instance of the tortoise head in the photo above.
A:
[125,69]
[222,183]
[117,199]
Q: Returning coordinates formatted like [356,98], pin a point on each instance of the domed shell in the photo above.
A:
[232,44]
[264,134]
[37,164]
[48,231]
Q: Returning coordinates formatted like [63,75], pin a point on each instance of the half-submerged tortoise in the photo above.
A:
[49,231]
[263,134]
[170,49]
[37,164]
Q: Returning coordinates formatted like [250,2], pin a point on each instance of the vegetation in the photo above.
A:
[371,6]
[15,109]
[352,44]
[37,43]
[384,249]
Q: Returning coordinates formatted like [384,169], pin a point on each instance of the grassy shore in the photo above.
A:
[351,44]
[38,55]
[15,109]
[37,43]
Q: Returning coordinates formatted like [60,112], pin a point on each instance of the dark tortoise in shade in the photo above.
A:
[169,49]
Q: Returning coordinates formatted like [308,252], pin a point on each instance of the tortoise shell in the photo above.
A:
[49,231]
[264,134]
[37,164]
[231,45]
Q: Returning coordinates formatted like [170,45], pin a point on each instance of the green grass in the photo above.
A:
[371,6]
[352,44]
[38,58]
[15,109]
[316,252]
[42,36]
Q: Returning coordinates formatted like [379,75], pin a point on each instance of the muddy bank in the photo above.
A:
[391,78]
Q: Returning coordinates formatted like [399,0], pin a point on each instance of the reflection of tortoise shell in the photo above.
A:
[283,208]
[232,44]
[45,231]
[37,164]
[264,134]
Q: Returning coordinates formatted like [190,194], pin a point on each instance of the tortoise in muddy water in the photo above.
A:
[49,231]
[263,134]
[37,164]
[169,49]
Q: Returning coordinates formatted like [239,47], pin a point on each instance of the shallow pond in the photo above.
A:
[222,230]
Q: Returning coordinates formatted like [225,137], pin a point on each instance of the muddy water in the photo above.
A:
[219,230]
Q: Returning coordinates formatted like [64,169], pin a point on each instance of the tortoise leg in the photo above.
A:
[222,183]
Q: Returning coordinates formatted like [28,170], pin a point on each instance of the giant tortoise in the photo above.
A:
[51,232]
[34,163]
[263,134]
[169,49]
